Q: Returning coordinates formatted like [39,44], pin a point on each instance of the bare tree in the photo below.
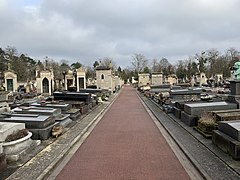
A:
[139,62]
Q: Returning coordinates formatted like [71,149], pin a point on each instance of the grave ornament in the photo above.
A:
[236,69]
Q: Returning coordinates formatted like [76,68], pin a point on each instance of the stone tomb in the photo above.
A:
[179,97]
[63,119]
[40,125]
[72,96]
[227,138]
[55,105]
[192,111]
[74,113]
[226,115]
[37,110]
[14,149]
[65,108]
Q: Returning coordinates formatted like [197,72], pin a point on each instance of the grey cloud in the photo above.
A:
[88,30]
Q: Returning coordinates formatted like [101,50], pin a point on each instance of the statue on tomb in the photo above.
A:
[236,69]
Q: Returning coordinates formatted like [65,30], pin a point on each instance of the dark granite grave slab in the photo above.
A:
[43,133]
[231,128]
[72,96]
[74,114]
[37,110]
[226,144]
[61,105]
[189,119]
[31,121]
[177,112]
[228,116]
[63,119]
[196,109]
[91,91]
[235,87]
[84,109]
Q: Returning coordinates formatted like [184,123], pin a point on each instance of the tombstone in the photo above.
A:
[143,79]
[227,138]
[10,78]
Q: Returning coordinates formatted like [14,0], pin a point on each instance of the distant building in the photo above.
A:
[104,78]
[45,82]
[143,79]
[156,78]
[171,79]
[10,79]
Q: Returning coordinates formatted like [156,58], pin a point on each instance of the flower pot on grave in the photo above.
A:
[17,146]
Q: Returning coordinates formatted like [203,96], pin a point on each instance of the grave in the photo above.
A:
[179,97]
[192,111]
[17,147]
[82,101]
[75,114]
[226,115]
[72,96]
[37,110]
[63,119]
[55,105]
[227,138]
[39,125]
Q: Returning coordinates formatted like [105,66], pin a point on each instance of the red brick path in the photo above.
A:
[125,145]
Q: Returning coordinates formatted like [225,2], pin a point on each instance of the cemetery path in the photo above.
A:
[125,144]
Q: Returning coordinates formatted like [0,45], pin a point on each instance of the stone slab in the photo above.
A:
[226,144]
[74,114]
[66,122]
[228,116]
[231,128]
[235,87]
[84,109]
[37,110]
[72,96]
[31,121]
[177,112]
[189,119]
[63,106]
[196,109]
[7,128]
[44,133]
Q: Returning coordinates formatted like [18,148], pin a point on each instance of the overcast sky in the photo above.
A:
[88,30]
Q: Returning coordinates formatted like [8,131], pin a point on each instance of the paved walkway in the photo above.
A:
[126,144]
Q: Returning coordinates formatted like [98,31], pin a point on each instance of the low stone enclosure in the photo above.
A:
[215,116]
